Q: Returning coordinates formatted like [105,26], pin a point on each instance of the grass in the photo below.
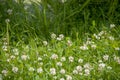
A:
[55,40]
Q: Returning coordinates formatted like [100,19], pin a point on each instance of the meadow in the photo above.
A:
[59,40]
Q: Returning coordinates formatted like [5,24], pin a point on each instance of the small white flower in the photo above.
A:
[54,56]
[53,36]
[15,69]
[53,71]
[101,66]
[5,48]
[59,39]
[75,71]
[62,71]
[63,59]
[71,59]
[61,36]
[109,67]
[24,57]
[79,68]
[87,66]
[84,47]
[106,57]
[9,11]
[45,43]
[31,69]
[39,70]
[12,57]
[62,79]
[4,72]
[15,51]
[59,64]
[117,48]
[7,20]
[63,1]
[68,77]
[39,59]
[69,43]
[111,38]
[112,25]
[93,46]
[87,72]
[80,60]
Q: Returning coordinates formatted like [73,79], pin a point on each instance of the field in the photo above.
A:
[55,40]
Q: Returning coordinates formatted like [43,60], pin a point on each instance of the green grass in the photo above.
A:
[51,40]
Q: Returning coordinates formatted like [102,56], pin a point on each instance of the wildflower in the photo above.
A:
[7,20]
[39,59]
[117,48]
[79,68]
[87,72]
[71,59]
[112,26]
[53,36]
[31,69]
[12,57]
[15,69]
[63,59]
[5,48]
[4,72]
[54,56]
[93,46]
[45,43]
[101,66]
[75,71]
[84,47]
[62,71]
[59,39]
[61,36]
[16,52]
[59,64]
[80,60]
[87,66]
[109,67]
[63,1]
[39,70]
[69,43]
[68,77]
[111,38]
[9,11]
[105,57]
[53,71]
[62,79]
[24,57]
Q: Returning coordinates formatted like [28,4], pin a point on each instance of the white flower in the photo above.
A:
[87,72]
[80,60]
[62,71]
[68,77]
[117,48]
[53,36]
[5,48]
[54,56]
[45,43]
[24,57]
[15,51]
[7,20]
[87,66]
[9,11]
[53,71]
[79,68]
[59,64]
[39,59]
[61,36]
[109,67]
[84,47]
[101,66]
[59,39]
[75,71]
[69,43]
[15,69]
[112,25]
[12,57]
[71,59]
[39,70]
[93,46]
[31,69]
[63,59]
[63,1]
[106,57]
[111,38]
[62,79]
[4,72]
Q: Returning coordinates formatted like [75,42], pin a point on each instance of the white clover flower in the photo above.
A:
[53,71]
[75,71]
[45,43]
[111,38]
[100,61]
[54,77]
[63,59]
[79,68]
[59,64]
[5,48]
[53,36]
[24,57]
[62,79]
[80,60]
[101,66]
[15,51]
[69,43]
[109,67]
[117,48]
[71,59]
[58,38]
[4,72]
[68,77]
[106,57]
[39,70]
[84,47]
[15,69]
[80,73]
[63,1]
[112,26]
[7,20]
[39,59]
[96,36]
[93,46]
[101,33]
[8,60]
[87,66]
[54,56]
[87,72]
[31,69]
[62,71]
[9,11]
[12,57]
[61,36]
